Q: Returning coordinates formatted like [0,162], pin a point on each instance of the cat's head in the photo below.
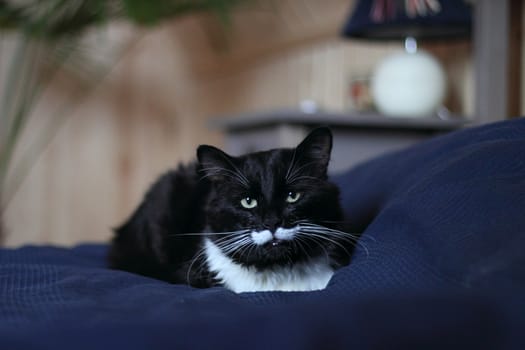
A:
[271,207]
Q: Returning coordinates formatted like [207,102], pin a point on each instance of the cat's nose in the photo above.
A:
[273,223]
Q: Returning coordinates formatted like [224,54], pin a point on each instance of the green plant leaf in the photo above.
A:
[144,12]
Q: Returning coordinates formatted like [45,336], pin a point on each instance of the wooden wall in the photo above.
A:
[153,108]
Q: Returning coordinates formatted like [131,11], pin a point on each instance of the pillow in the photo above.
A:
[449,212]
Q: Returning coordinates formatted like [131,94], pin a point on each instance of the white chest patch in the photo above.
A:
[309,276]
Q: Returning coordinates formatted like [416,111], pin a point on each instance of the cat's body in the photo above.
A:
[263,221]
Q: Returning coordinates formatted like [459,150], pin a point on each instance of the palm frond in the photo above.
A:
[51,38]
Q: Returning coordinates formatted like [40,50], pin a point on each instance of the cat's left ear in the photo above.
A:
[213,162]
[315,150]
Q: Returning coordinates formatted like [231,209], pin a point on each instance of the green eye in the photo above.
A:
[248,203]
[293,197]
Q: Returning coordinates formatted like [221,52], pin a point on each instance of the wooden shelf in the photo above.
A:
[367,120]
[357,136]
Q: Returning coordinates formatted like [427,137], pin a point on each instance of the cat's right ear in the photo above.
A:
[213,163]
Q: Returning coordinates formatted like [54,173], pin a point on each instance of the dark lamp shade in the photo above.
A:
[452,21]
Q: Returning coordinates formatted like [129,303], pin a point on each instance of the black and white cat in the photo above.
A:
[262,221]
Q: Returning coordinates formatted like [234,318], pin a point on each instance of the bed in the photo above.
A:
[440,264]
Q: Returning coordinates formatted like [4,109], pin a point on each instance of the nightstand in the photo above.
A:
[357,137]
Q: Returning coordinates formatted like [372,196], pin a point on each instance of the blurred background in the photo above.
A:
[100,97]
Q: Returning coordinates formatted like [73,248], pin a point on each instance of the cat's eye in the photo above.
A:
[293,197]
[249,203]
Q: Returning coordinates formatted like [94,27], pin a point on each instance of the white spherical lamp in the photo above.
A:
[408,85]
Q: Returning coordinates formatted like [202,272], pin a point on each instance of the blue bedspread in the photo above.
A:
[441,264]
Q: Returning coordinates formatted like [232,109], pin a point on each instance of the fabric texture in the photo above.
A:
[440,263]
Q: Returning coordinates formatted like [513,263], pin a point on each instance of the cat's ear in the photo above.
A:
[314,151]
[213,163]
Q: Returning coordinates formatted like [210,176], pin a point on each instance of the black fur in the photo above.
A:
[204,198]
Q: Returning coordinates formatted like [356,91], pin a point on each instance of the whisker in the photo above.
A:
[315,240]
[292,164]
[226,237]
[236,171]
[335,221]
[234,245]
[298,241]
[354,239]
[351,238]
[300,221]
[236,175]
[313,234]
[327,229]
[248,247]
[296,171]
[303,177]
[199,254]
[226,243]
[331,235]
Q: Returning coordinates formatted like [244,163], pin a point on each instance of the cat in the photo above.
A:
[264,221]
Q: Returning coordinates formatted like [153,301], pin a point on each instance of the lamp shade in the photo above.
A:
[398,19]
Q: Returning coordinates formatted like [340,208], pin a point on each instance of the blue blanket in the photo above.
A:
[441,264]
